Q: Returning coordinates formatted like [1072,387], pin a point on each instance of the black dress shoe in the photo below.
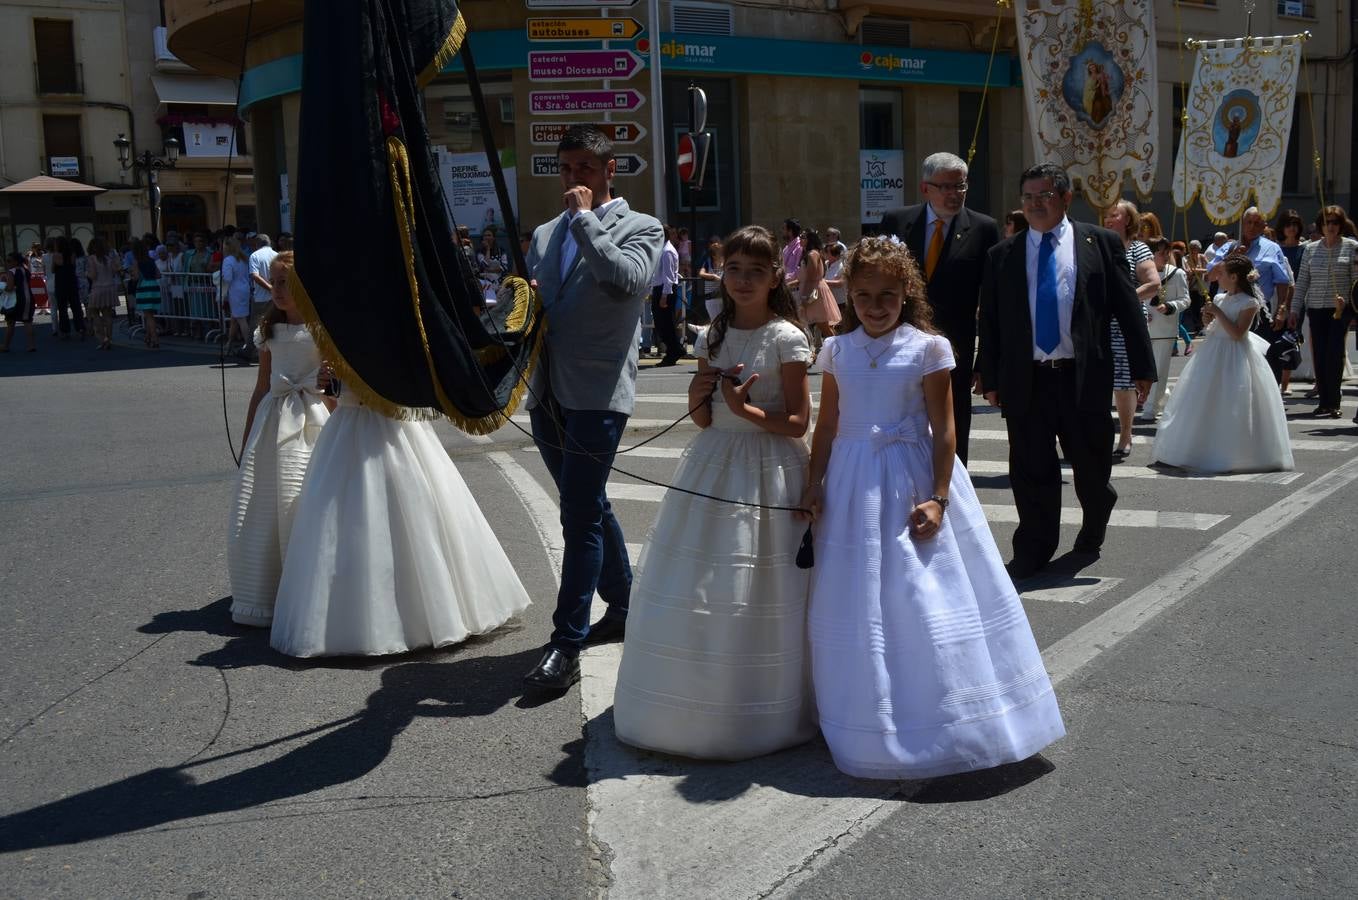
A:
[556,671]
[606,631]
[1021,567]
[1089,544]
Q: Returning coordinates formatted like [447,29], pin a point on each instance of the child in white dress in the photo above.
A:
[923,660]
[1225,414]
[287,412]
[389,551]
[714,663]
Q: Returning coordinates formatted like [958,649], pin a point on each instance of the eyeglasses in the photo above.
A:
[1039,197]
[1334,221]
[958,188]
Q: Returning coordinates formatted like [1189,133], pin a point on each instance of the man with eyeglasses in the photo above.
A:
[950,243]
[1046,360]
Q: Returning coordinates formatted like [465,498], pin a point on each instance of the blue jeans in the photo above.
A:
[595,551]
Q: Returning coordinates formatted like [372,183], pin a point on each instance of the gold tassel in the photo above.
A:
[451,44]
[398,166]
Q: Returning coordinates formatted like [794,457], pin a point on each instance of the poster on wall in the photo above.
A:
[881,183]
[470,190]
[209,139]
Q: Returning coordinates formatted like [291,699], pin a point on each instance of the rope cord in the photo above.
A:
[1315,141]
[230,159]
[1000,7]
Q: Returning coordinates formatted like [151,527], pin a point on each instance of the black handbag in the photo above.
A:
[1285,351]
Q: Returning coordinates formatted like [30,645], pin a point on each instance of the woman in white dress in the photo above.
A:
[1225,414]
[236,289]
[287,412]
[389,550]
[923,660]
[714,663]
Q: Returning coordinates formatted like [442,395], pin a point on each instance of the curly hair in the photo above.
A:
[757,243]
[895,259]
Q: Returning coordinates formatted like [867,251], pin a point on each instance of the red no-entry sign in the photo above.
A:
[686,158]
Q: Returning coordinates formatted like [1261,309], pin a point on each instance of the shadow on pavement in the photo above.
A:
[58,357]
[345,750]
[806,771]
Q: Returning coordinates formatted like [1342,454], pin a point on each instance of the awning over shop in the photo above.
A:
[43,184]
[200,90]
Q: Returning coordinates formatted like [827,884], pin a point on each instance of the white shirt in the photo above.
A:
[1065,286]
[569,248]
[260,261]
[667,273]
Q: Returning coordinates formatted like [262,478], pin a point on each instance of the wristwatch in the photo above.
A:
[941,501]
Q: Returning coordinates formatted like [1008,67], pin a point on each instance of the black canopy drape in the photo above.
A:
[379,277]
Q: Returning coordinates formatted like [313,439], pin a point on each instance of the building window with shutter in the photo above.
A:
[63,154]
[57,70]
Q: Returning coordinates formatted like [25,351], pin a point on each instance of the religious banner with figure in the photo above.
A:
[1089,75]
[1234,145]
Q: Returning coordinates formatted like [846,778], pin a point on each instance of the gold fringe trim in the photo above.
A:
[330,352]
[398,168]
[451,44]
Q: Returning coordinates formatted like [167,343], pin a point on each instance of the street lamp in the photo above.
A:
[150,164]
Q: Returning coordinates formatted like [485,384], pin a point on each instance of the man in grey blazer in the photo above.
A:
[593,266]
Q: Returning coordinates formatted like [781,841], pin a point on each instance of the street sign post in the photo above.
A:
[545,164]
[585,101]
[550,133]
[570,29]
[582,65]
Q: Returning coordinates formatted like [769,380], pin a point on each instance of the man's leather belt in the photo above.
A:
[1065,363]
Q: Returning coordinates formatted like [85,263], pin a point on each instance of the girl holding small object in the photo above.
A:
[1225,414]
[714,662]
[923,660]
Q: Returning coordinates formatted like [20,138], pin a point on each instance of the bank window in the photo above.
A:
[57,69]
[879,119]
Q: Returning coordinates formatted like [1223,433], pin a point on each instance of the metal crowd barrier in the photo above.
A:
[191,303]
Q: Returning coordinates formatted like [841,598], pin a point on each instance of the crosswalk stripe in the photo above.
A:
[1122,518]
[1335,446]
[1000,467]
[632,424]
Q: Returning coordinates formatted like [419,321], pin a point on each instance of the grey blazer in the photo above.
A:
[594,312]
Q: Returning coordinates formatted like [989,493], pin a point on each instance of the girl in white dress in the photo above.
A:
[287,411]
[389,550]
[1225,414]
[923,660]
[714,662]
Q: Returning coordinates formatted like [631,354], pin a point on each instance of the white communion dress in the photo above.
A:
[287,423]
[714,665]
[1225,414]
[389,550]
[923,659]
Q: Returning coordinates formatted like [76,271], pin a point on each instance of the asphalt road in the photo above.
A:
[150,748]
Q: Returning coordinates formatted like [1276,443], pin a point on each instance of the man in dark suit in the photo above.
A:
[950,243]
[1046,360]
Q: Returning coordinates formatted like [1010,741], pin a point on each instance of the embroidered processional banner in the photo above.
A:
[1234,144]
[1089,75]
